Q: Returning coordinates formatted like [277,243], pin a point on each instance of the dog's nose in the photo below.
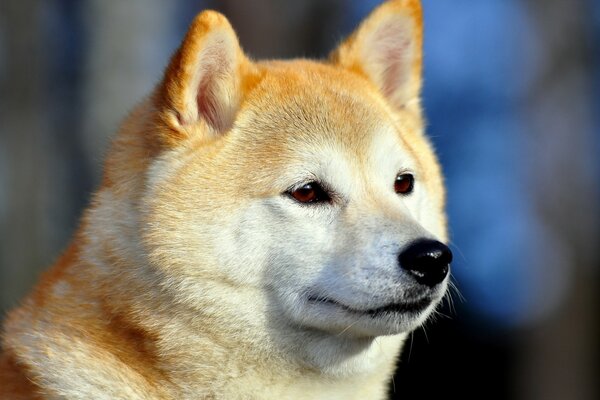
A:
[427,260]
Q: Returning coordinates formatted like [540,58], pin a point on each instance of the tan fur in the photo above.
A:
[166,291]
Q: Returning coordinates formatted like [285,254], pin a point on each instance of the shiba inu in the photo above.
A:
[263,230]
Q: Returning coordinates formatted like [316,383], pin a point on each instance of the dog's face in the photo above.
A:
[307,187]
[334,194]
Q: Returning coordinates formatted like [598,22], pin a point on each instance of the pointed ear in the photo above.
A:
[387,49]
[200,93]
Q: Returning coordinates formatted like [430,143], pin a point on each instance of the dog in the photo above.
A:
[263,230]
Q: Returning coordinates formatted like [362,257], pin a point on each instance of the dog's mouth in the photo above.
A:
[409,307]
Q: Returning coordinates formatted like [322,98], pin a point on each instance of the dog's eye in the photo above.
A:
[404,183]
[310,193]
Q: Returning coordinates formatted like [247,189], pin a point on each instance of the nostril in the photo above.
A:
[427,260]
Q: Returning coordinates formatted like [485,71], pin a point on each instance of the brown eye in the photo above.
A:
[310,193]
[404,184]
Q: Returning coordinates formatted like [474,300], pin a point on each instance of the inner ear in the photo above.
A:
[386,49]
[392,56]
[212,94]
[201,90]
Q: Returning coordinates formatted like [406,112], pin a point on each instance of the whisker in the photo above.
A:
[348,327]
[456,290]
[425,333]
[411,345]
[457,249]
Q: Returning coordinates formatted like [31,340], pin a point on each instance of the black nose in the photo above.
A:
[427,260]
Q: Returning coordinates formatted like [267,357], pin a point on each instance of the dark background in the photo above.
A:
[512,95]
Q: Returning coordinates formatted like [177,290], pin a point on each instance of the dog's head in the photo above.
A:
[308,188]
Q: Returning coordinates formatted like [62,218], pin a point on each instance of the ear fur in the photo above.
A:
[387,49]
[200,92]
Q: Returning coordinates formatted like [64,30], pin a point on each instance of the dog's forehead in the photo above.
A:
[303,103]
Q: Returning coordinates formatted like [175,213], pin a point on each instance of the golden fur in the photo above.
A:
[162,292]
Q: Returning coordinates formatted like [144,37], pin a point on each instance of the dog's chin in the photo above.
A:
[352,321]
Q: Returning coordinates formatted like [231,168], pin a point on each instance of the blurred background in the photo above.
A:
[512,94]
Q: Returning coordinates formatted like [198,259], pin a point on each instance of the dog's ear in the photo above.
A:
[200,93]
[387,49]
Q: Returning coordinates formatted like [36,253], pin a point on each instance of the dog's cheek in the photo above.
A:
[241,244]
[300,244]
[250,243]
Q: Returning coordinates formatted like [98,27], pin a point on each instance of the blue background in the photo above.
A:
[512,97]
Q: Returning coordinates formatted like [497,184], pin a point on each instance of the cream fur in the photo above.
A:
[194,275]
